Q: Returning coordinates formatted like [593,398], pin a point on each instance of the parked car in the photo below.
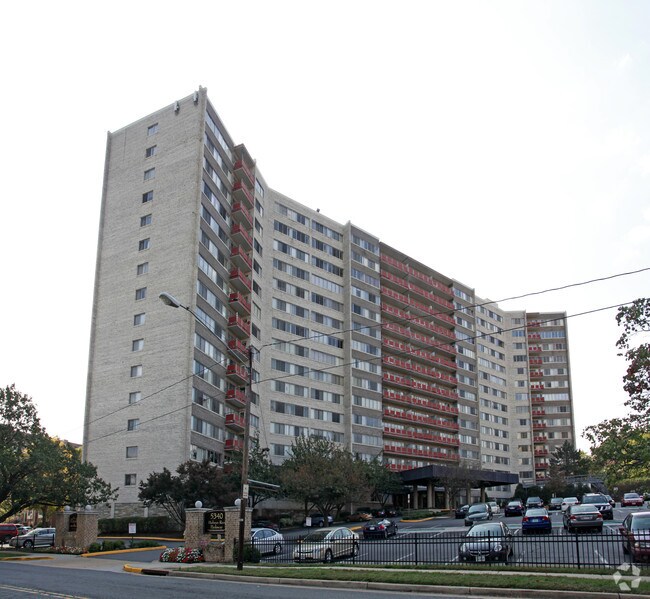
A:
[318,520]
[327,544]
[39,537]
[379,528]
[494,506]
[267,540]
[514,508]
[536,519]
[23,529]
[461,511]
[534,502]
[568,501]
[600,501]
[7,531]
[635,531]
[477,513]
[582,516]
[360,516]
[611,500]
[555,505]
[491,541]
[265,524]
[632,499]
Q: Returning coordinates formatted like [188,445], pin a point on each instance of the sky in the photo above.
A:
[504,144]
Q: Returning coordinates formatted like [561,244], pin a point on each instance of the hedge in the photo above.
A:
[154,524]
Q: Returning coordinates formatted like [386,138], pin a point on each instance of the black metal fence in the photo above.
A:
[557,549]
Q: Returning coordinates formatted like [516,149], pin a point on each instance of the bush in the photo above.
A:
[142,544]
[154,524]
[106,546]
[286,522]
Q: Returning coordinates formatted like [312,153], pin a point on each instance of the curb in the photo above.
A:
[24,558]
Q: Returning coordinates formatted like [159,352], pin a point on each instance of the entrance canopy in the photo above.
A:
[437,472]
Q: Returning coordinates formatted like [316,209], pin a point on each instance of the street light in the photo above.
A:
[170,300]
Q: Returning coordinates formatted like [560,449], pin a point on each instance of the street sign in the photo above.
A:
[245,491]
[132,527]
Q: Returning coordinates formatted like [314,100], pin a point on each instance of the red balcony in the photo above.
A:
[534,336]
[409,417]
[236,398]
[235,422]
[540,439]
[539,425]
[534,349]
[234,444]
[410,400]
[404,365]
[244,173]
[428,311]
[238,350]
[239,303]
[539,412]
[237,373]
[403,348]
[541,452]
[535,361]
[241,236]
[536,374]
[241,259]
[421,277]
[534,324]
[537,399]
[241,215]
[242,194]
[541,465]
[428,437]
[240,281]
[421,453]
[239,327]
[536,387]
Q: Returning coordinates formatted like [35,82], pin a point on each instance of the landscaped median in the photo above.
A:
[503,582]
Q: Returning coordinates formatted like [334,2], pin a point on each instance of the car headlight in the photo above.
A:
[497,547]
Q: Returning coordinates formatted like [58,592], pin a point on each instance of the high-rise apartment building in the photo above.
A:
[354,341]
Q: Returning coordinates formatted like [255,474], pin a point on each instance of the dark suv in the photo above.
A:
[534,502]
[7,531]
[601,502]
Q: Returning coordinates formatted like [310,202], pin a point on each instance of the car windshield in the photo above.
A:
[484,530]
[594,499]
[631,496]
[319,535]
[556,500]
[514,504]
[641,523]
[536,512]
[570,500]
[534,500]
[475,509]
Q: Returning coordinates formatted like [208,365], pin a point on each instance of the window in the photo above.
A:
[149,174]
[152,129]
[130,480]
[142,269]
[144,244]
[132,452]
[137,345]
[145,220]
[135,396]
[151,151]
[147,196]
[138,319]
[136,371]
[133,424]
[141,293]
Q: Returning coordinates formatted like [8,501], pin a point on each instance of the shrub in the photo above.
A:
[286,522]
[142,544]
[154,524]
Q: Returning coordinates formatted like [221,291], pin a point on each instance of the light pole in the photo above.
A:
[170,300]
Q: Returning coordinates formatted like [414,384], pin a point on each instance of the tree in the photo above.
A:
[320,473]
[195,481]
[621,446]
[382,482]
[36,469]
[260,469]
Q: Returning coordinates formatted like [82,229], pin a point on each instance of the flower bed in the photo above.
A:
[182,555]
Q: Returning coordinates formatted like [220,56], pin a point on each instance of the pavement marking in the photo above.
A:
[39,593]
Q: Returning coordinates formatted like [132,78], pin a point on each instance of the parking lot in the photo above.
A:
[437,541]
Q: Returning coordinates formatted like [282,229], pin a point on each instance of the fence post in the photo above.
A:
[577,548]
[415,537]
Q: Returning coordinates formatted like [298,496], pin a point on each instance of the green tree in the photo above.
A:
[621,446]
[320,473]
[36,469]
[382,482]
[194,481]
[260,469]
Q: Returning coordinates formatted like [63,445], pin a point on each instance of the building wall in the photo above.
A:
[353,340]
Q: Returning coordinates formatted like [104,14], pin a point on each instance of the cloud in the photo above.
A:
[625,62]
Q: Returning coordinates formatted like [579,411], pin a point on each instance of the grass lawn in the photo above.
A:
[422,577]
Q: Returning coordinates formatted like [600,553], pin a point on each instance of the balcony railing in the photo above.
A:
[241,236]
[235,421]
[417,274]
[237,373]
[421,419]
[241,258]
[390,395]
[421,453]
[241,170]
[236,398]
[422,370]
[242,193]
[233,444]
[239,327]
[415,305]
[400,381]
[241,215]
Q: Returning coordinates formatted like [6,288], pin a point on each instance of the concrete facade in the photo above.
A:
[356,341]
